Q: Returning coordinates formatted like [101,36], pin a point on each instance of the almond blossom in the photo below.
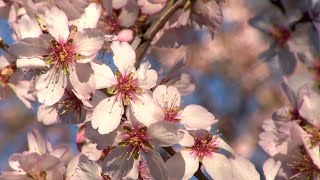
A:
[12,80]
[192,116]
[128,87]
[133,140]
[40,162]
[63,55]
[202,146]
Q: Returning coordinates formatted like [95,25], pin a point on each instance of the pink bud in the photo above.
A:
[125,35]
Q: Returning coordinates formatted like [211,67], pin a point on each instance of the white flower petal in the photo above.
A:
[90,17]
[167,97]
[156,165]
[56,22]
[124,56]
[36,143]
[146,111]
[81,168]
[51,86]
[195,116]
[82,79]
[103,75]
[91,151]
[182,166]
[187,140]
[164,133]
[87,43]
[147,77]
[36,63]
[218,166]
[243,169]
[222,144]
[28,27]
[107,115]
[118,163]
[271,169]
[47,115]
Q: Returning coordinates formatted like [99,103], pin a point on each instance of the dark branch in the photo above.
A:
[155,27]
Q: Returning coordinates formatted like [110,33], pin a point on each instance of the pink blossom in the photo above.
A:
[63,55]
[127,87]
[192,116]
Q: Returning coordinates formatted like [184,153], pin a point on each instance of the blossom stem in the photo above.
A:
[155,27]
[199,175]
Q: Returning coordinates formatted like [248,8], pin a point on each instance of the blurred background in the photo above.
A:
[230,80]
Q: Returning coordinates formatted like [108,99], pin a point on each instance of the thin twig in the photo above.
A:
[155,27]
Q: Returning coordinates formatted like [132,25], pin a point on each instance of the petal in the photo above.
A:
[156,165]
[218,166]
[124,56]
[243,169]
[82,79]
[271,169]
[150,8]
[164,133]
[28,27]
[129,14]
[195,116]
[91,151]
[134,173]
[117,4]
[90,17]
[57,24]
[147,77]
[47,115]
[312,150]
[14,162]
[107,115]
[290,94]
[126,35]
[222,144]
[36,142]
[87,43]
[167,97]
[51,86]
[29,47]
[182,166]
[35,63]
[103,75]
[309,109]
[187,140]
[145,110]
[118,163]
[102,140]
[81,168]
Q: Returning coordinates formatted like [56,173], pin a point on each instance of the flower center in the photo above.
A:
[40,176]
[136,140]
[315,134]
[71,108]
[5,74]
[171,114]
[205,144]
[62,55]
[280,34]
[111,23]
[126,89]
[304,167]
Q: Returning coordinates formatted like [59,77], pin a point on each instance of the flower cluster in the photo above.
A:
[131,118]
[291,136]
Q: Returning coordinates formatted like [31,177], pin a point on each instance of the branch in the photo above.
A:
[198,174]
[155,27]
